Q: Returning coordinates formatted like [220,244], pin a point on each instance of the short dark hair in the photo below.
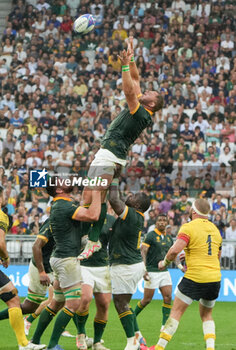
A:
[161,216]
[144,201]
[159,103]
[51,190]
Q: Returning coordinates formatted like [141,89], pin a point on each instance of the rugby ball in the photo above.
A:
[84,24]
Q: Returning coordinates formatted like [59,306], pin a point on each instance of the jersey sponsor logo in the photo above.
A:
[38,178]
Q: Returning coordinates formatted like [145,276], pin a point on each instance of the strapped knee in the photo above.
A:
[9,295]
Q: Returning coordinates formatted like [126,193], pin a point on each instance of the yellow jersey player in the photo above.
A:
[8,293]
[202,242]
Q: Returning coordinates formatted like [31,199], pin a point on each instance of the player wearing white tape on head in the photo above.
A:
[202,242]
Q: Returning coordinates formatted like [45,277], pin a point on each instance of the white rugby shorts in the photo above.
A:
[125,278]
[97,277]
[34,281]
[104,163]
[158,280]
[66,271]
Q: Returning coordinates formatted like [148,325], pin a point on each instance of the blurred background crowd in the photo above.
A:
[60,91]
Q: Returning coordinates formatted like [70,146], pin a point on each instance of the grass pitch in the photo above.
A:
[189,334]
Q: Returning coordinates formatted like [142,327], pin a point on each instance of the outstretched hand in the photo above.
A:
[125,57]
[130,44]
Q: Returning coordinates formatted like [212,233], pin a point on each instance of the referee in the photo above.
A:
[202,242]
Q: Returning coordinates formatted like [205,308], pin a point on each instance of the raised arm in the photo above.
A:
[114,198]
[91,213]
[133,68]
[127,81]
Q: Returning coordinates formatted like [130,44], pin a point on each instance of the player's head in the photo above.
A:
[152,100]
[55,187]
[200,208]
[139,201]
[161,222]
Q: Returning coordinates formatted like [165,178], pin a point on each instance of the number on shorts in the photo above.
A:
[139,239]
[209,244]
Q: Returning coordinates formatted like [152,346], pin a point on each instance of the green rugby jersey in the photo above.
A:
[124,242]
[100,258]
[125,129]
[159,245]
[46,235]
[65,231]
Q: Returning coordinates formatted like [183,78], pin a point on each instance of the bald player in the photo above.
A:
[202,242]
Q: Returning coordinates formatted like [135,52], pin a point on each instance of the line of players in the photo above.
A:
[127,268]
[66,227]
[122,132]
[112,155]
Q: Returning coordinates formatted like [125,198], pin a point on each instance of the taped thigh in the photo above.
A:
[35,298]
[207,303]
[183,297]
[58,296]
[73,293]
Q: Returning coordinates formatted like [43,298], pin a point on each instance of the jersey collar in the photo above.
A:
[158,232]
[64,199]
[140,213]
[151,112]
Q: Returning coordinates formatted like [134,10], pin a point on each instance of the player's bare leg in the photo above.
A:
[9,293]
[103,301]
[166,307]
[172,323]
[82,315]
[93,245]
[35,312]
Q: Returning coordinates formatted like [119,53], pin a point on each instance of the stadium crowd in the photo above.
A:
[59,91]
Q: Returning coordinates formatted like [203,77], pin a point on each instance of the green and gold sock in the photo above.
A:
[4,314]
[99,327]
[136,327]
[97,225]
[32,317]
[45,318]
[127,320]
[61,322]
[166,308]
[138,309]
[80,319]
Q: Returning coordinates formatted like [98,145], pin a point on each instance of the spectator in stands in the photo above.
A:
[35,208]
[207,189]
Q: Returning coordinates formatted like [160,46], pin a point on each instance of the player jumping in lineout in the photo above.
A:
[121,134]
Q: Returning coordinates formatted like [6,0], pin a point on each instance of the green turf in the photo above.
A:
[189,335]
